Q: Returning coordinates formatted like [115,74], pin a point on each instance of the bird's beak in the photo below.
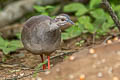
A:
[71,22]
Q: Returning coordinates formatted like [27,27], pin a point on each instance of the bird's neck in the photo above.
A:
[54,26]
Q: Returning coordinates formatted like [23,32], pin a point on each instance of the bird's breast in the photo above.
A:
[42,41]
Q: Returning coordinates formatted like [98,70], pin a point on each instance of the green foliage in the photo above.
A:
[117,9]
[0,9]
[86,22]
[9,46]
[91,19]
[94,3]
[98,13]
[73,7]
[80,43]
[79,8]
[71,32]
[44,10]
[116,2]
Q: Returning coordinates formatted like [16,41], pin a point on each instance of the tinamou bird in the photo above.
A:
[41,35]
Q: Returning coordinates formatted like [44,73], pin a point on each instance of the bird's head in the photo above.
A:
[63,20]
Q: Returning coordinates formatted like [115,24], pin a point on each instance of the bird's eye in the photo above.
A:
[62,19]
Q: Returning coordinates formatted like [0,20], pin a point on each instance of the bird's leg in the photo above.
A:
[48,62]
[44,67]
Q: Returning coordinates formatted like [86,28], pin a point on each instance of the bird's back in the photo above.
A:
[36,20]
[35,37]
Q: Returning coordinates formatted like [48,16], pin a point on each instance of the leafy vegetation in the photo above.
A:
[91,19]
[44,10]
[9,46]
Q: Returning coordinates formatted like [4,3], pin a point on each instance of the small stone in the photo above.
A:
[14,75]
[71,76]
[115,78]
[21,74]
[99,75]
[82,77]
[103,60]
[38,78]
[58,70]
[109,41]
[115,39]
[118,52]
[92,51]
[72,58]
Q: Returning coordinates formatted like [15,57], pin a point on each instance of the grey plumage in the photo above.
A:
[37,36]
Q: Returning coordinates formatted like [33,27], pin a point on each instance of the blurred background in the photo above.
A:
[92,21]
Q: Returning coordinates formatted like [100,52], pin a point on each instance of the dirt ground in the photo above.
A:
[99,62]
